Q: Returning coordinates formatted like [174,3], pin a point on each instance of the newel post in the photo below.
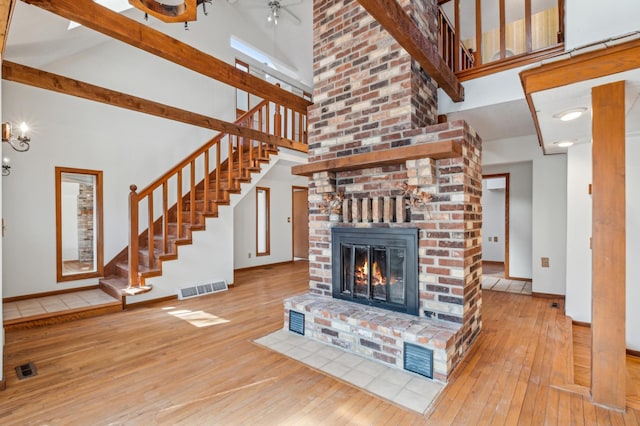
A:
[133,237]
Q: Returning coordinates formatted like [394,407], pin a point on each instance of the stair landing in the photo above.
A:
[58,308]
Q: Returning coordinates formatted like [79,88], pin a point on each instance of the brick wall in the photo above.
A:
[369,95]
[367,89]
[85,223]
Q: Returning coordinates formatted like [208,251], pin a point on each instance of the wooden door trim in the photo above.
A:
[293,215]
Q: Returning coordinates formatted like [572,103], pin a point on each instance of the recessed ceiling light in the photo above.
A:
[570,114]
[564,144]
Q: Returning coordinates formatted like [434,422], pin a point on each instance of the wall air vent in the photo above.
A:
[296,322]
[202,289]
[418,359]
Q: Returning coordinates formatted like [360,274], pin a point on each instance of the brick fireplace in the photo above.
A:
[378,160]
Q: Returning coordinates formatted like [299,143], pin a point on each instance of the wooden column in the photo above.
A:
[608,341]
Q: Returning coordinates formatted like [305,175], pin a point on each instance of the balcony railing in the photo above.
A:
[480,37]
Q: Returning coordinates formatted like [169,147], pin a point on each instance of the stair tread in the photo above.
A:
[219,188]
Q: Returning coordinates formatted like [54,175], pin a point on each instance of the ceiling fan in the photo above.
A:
[280,9]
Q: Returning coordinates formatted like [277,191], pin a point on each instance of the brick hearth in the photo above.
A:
[372,102]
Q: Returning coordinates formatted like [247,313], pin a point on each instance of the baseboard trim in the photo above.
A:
[634,353]
[548,295]
[49,293]
[630,352]
[492,262]
[249,268]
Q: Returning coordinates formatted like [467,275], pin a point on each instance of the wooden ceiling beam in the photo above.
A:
[6,12]
[400,25]
[105,21]
[68,86]
[584,66]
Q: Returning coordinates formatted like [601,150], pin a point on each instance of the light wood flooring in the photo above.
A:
[194,362]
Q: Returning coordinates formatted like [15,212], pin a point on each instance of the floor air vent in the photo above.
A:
[202,289]
[26,370]
[418,359]
[296,322]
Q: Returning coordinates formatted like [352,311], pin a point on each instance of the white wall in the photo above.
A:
[279,180]
[578,294]
[520,215]
[493,221]
[548,191]
[588,21]
[549,223]
[633,242]
[129,147]
[579,275]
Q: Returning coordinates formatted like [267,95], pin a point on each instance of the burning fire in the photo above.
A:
[362,272]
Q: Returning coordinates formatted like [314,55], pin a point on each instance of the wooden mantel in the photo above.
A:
[436,150]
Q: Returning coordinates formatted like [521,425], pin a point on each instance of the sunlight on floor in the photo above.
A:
[197,318]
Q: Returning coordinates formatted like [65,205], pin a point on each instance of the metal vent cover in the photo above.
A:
[26,370]
[296,322]
[202,289]
[418,359]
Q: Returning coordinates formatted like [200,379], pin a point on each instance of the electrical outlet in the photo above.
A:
[495,239]
[249,255]
[544,261]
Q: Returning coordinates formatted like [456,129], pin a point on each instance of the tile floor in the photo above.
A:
[503,284]
[403,388]
[52,304]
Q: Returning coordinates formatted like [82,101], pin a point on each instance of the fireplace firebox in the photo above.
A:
[376,267]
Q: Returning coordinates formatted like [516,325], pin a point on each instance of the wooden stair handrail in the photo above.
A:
[181,165]
[239,150]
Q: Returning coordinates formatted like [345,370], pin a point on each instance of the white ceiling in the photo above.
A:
[548,103]
[37,38]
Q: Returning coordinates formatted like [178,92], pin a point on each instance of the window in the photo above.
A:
[262,222]
[79,252]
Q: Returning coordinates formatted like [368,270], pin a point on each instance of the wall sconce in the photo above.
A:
[6,168]
[19,143]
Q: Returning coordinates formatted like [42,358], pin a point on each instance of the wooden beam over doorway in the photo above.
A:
[608,306]
[68,86]
[399,24]
[105,21]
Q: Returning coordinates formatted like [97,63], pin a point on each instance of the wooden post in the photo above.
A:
[608,340]
[150,230]
[133,237]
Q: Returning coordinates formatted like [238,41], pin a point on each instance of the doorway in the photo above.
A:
[300,223]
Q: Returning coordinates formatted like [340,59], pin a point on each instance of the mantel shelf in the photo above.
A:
[435,150]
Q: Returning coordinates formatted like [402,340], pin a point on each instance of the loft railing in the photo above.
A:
[169,203]
[452,50]
[479,37]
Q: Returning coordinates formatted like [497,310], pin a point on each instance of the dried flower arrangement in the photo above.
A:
[414,196]
[333,203]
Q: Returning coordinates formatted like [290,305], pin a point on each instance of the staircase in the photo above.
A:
[176,206]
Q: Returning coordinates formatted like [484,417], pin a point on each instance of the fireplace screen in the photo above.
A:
[376,267]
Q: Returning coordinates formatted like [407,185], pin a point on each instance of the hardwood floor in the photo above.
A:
[194,362]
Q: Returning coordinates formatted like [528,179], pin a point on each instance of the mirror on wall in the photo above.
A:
[78,224]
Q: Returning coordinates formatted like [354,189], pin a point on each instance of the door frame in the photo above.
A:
[293,215]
